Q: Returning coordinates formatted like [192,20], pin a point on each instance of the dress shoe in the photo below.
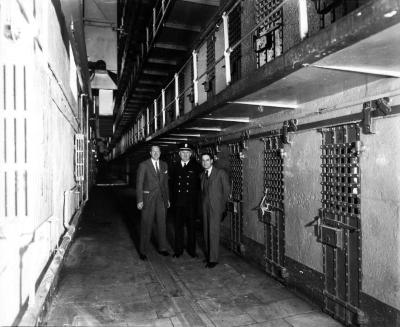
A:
[211,264]
[164,253]
[176,255]
[143,257]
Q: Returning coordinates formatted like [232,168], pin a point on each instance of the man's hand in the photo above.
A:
[140,205]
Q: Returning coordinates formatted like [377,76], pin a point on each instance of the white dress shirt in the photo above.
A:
[156,164]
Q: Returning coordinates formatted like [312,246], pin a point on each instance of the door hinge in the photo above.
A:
[374,108]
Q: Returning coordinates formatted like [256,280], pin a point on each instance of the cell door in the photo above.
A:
[274,218]
[339,227]
[235,205]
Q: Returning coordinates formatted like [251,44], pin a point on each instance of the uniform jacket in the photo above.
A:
[185,184]
[149,185]
[218,189]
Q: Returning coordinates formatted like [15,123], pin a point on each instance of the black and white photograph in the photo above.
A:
[200,163]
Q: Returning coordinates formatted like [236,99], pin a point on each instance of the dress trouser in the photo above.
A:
[155,208]
[185,216]
[211,228]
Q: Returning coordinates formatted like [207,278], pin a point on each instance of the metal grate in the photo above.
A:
[14,161]
[236,164]
[274,219]
[269,36]
[235,33]
[79,157]
[273,171]
[235,206]
[339,223]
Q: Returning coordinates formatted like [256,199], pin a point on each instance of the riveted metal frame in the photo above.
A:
[274,219]
[339,223]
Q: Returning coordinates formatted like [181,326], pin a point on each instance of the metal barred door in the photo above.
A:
[274,218]
[339,226]
[236,205]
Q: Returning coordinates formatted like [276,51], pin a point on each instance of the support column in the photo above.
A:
[303,19]
[155,115]
[227,52]
[148,120]
[163,107]
[176,96]
[195,81]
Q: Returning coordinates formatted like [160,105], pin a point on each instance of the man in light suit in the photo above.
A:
[215,191]
[152,197]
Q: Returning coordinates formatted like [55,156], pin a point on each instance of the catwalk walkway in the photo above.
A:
[103,282]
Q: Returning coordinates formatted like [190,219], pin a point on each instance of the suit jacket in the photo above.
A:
[185,185]
[218,189]
[149,185]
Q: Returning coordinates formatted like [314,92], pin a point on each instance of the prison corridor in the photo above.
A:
[104,283]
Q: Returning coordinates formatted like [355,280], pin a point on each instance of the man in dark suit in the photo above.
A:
[215,191]
[152,197]
[185,175]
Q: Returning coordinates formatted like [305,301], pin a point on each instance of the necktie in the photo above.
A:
[157,170]
[207,173]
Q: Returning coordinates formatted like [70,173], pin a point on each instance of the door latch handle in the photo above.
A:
[313,222]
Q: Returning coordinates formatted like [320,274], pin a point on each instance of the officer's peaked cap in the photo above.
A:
[185,146]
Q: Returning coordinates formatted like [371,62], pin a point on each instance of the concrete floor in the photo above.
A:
[103,282]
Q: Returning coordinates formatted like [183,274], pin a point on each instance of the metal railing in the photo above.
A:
[190,95]
[159,12]
[154,116]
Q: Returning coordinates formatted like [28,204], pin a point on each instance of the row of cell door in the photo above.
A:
[337,226]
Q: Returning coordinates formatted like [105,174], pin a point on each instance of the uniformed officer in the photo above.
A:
[185,175]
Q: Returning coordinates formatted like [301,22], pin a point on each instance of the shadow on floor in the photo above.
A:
[125,200]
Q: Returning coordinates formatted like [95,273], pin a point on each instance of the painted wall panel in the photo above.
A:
[201,69]
[302,198]
[380,212]
[248,21]
[253,189]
